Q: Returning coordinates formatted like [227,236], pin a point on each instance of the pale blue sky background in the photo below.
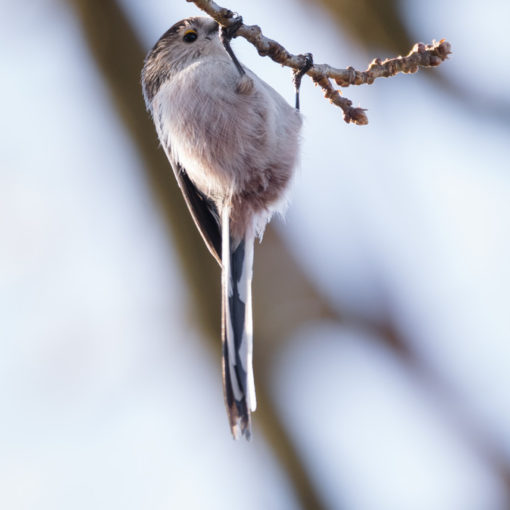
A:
[108,398]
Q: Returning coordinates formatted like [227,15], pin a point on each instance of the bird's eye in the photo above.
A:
[190,36]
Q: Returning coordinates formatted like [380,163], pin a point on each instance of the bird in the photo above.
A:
[232,142]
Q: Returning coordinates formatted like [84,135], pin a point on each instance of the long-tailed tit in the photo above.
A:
[232,142]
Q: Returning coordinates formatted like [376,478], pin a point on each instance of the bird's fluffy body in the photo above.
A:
[237,147]
[234,141]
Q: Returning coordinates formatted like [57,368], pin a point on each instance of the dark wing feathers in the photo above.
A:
[203,210]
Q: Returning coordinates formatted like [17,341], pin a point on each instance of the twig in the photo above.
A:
[421,55]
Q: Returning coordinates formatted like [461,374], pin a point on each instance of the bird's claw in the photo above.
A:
[226,35]
[299,73]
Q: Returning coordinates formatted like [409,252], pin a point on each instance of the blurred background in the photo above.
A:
[382,323]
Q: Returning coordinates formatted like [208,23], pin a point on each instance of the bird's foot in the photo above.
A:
[299,73]
[226,35]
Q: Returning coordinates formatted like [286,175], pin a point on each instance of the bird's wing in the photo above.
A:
[203,210]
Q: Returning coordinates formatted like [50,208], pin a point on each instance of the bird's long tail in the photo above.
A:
[237,329]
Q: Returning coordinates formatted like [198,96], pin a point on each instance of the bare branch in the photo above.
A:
[421,55]
[356,115]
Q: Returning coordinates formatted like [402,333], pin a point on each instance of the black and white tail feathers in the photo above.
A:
[237,328]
